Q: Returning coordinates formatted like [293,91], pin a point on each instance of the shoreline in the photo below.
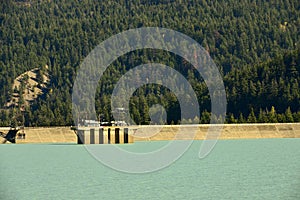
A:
[172,132]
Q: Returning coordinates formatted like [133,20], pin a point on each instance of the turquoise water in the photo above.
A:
[235,169]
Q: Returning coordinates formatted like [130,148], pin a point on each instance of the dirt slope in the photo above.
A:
[29,86]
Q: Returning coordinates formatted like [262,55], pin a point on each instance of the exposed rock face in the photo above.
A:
[28,86]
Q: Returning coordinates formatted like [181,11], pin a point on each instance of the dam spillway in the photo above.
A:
[100,135]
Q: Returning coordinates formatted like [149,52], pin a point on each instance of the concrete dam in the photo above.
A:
[158,132]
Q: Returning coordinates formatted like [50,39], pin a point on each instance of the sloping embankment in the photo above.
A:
[229,131]
[49,135]
[171,132]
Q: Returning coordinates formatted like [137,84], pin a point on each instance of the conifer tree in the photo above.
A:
[251,117]
[288,115]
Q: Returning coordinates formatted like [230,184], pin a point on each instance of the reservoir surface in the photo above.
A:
[235,169]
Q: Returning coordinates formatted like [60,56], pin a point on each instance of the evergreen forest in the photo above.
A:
[254,43]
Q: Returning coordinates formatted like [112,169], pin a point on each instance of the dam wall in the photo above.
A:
[48,135]
[228,131]
[171,132]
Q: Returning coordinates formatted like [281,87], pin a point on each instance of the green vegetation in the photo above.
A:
[255,44]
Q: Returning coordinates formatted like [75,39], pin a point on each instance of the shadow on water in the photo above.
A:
[10,136]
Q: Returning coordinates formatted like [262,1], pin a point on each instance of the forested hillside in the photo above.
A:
[255,44]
